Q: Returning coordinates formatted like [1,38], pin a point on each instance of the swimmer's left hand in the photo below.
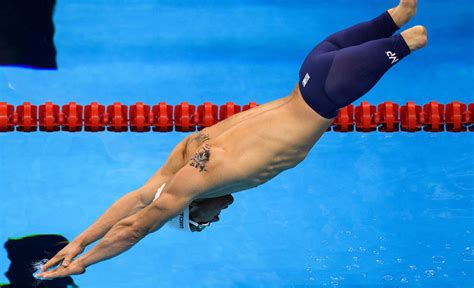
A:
[75,268]
[208,210]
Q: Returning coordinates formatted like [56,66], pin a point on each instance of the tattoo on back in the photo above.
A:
[201,157]
[200,138]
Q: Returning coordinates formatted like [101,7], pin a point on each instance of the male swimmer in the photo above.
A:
[250,148]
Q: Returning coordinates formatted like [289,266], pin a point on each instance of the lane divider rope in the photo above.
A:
[185,117]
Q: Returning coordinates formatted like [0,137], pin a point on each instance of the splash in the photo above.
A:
[37,267]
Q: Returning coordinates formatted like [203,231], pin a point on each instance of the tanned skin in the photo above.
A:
[239,153]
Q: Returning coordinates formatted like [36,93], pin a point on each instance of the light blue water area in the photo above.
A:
[362,210]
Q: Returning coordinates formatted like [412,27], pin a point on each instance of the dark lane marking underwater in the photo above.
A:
[26,34]
[25,252]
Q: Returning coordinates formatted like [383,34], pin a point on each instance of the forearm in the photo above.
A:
[179,193]
[130,231]
[119,239]
[128,205]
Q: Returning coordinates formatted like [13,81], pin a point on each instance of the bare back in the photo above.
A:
[254,146]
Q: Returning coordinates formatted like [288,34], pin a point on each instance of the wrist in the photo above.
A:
[81,262]
[80,241]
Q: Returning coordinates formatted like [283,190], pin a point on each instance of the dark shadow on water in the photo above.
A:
[23,252]
[26,34]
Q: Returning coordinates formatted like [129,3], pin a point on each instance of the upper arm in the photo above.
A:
[182,189]
[175,160]
[173,163]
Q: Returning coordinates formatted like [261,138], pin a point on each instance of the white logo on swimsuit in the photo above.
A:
[392,56]
[181,221]
[305,80]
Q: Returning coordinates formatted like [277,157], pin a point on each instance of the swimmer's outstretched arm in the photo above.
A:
[185,186]
[126,206]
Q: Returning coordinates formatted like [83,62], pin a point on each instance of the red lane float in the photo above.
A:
[470,116]
[344,121]
[49,117]
[456,117]
[140,116]
[94,117]
[7,123]
[365,117]
[433,114]
[249,106]
[185,117]
[228,110]
[388,117]
[206,115]
[71,117]
[27,117]
[162,118]
[117,117]
[411,117]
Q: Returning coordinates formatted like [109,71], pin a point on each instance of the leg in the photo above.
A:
[381,27]
[335,79]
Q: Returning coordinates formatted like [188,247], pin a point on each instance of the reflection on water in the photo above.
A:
[24,252]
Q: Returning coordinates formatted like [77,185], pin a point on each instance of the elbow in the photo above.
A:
[139,198]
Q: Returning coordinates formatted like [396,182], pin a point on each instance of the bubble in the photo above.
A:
[430,273]
[382,248]
[336,280]
[356,266]
[311,279]
[362,249]
[447,246]
[350,250]
[355,258]
[445,275]
[399,260]
[348,267]
[364,275]
[468,254]
[438,259]
[388,277]
[439,268]
[404,279]
[412,267]
[379,261]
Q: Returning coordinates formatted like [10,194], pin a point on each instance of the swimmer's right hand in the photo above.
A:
[65,256]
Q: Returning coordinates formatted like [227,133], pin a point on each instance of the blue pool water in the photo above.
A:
[363,210]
